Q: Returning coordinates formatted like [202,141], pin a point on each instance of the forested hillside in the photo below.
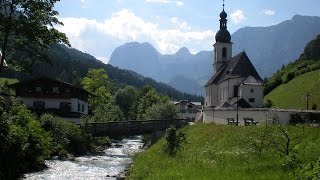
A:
[71,65]
[308,61]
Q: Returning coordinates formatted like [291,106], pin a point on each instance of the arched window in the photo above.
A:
[224,52]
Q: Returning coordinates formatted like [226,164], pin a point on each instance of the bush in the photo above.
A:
[66,136]
[174,140]
[314,107]
[161,111]
[24,144]
[309,171]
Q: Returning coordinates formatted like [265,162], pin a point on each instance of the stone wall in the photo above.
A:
[219,116]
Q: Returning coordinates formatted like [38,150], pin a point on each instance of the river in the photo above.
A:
[106,165]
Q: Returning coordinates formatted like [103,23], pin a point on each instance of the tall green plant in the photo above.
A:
[174,140]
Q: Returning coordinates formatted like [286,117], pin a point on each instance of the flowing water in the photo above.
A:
[106,165]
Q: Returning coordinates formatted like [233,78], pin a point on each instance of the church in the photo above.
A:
[235,81]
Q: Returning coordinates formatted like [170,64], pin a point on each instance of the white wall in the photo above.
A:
[218,54]
[55,103]
[49,103]
[257,94]
[258,114]
[74,106]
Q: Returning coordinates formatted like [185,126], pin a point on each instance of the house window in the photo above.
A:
[235,91]
[55,90]
[65,106]
[251,100]
[38,89]
[224,52]
[39,105]
[78,107]
[251,90]
[82,107]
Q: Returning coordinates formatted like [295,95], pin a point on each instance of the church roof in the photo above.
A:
[224,105]
[252,81]
[239,66]
[223,35]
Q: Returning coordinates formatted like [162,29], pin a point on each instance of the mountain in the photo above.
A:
[267,47]
[141,58]
[70,65]
[271,47]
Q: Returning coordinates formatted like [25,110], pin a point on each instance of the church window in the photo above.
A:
[235,90]
[251,100]
[224,52]
[251,90]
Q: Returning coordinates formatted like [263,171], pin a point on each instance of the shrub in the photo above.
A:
[24,144]
[314,107]
[174,140]
[161,111]
[66,136]
[309,171]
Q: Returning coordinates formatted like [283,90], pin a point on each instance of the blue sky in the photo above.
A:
[99,26]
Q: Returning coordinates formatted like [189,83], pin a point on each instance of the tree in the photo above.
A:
[148,97]
[107,113]
[126,99]
[28,26]
[97,83]
[162,111]
[174,140]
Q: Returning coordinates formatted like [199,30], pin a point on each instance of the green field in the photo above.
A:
[219,152]
[10,81]
[292,94]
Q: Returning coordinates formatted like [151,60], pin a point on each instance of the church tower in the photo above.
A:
[223,45]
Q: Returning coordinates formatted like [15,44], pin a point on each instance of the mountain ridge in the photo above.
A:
[268,48]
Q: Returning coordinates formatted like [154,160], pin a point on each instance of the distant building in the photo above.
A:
[45,95]
[234,78]
[189,110]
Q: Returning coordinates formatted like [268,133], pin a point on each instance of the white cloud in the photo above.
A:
[237,16]
[125,26]
[177,2]
[269,12]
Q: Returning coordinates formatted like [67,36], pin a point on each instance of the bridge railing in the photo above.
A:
[132,127]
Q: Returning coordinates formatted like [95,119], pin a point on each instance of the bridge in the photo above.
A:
[129,128]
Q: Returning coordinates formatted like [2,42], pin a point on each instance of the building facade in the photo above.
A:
[234,78]
[189,110]
[45,95]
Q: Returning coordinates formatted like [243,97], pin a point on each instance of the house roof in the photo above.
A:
[187,102]
[237,67]
[46,79]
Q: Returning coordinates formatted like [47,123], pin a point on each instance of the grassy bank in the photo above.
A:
[292,94]
[219,152]
[10,81]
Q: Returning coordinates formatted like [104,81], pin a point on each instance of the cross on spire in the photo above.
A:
[223,5]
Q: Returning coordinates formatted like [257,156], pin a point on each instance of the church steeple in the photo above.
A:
[223,34]
[223,20]
[223,45]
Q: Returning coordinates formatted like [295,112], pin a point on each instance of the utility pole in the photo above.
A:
[307,99]
[238,102]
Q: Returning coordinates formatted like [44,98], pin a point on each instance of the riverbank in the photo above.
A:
[229,152]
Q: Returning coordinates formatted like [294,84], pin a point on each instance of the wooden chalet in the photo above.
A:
[46,95]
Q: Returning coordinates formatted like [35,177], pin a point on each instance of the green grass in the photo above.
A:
[218,152]
[10,81]
[292,94]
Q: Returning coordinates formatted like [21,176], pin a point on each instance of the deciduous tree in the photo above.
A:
[28,26]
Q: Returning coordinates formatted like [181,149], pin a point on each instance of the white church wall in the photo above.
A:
[258,114]
[252,91]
